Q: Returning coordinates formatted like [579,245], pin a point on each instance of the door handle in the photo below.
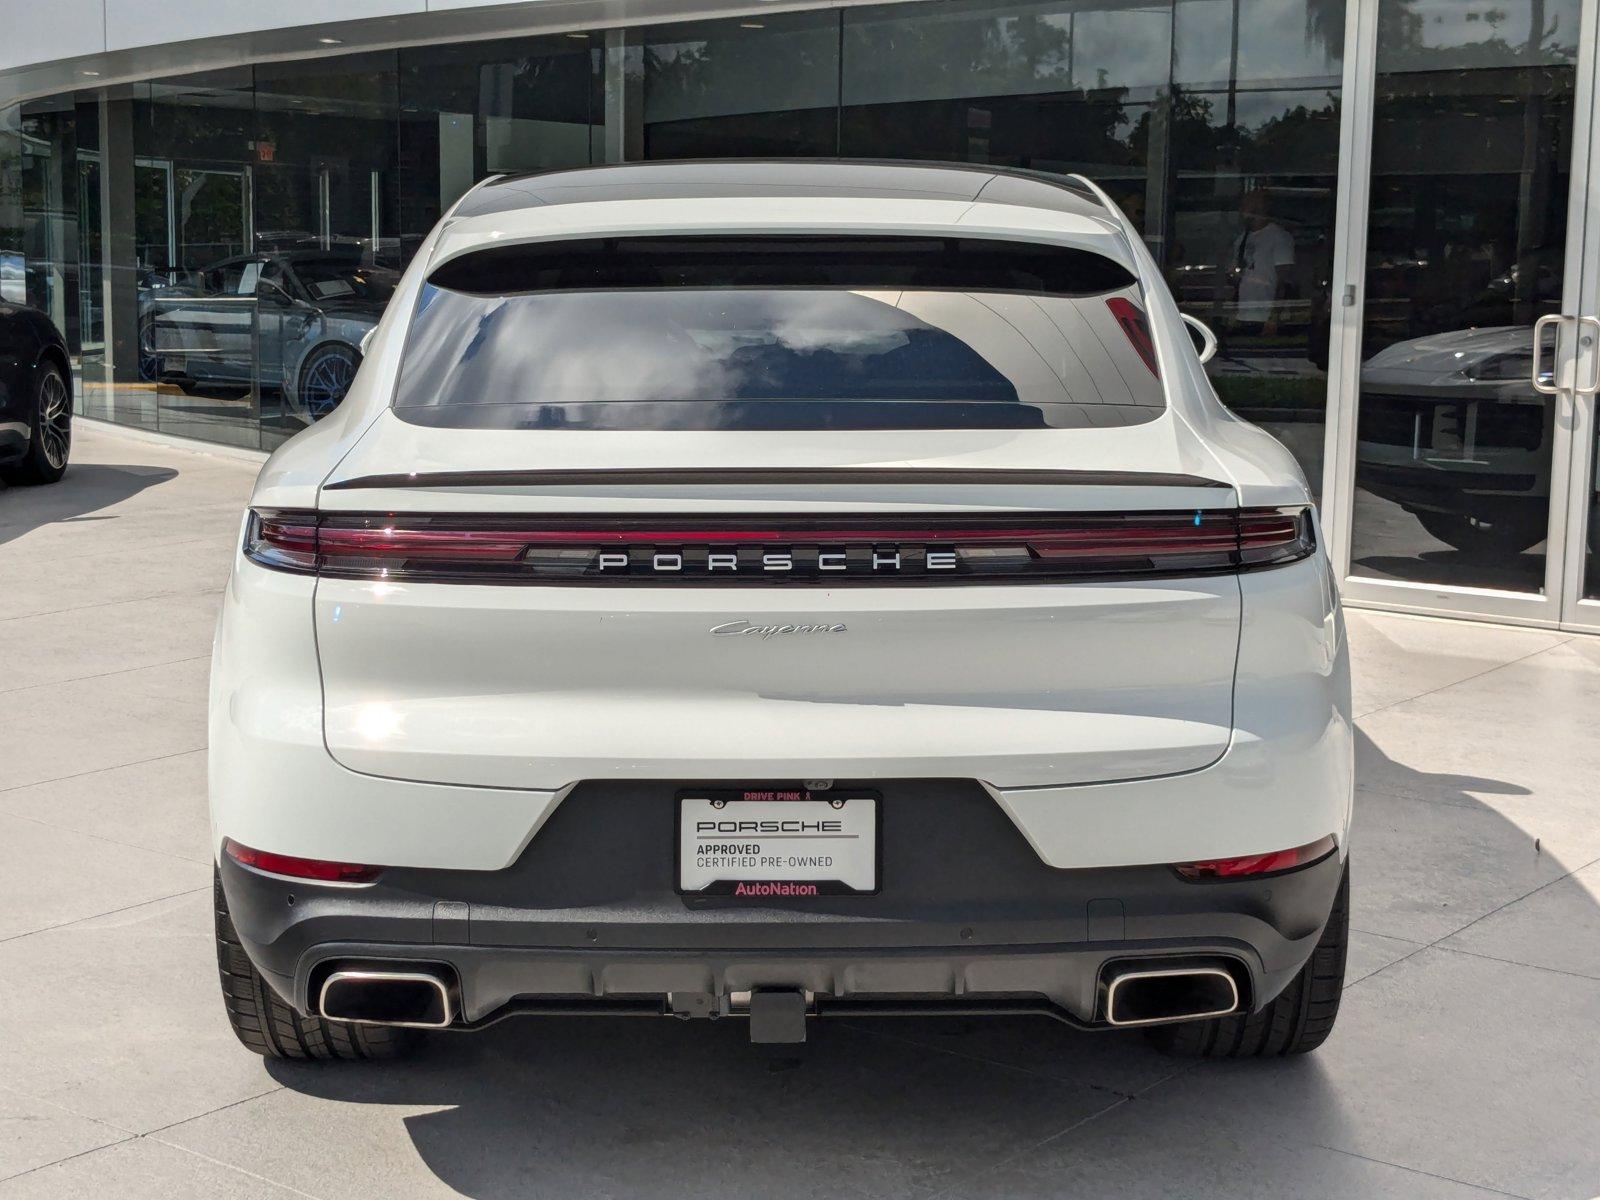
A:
[1558,320]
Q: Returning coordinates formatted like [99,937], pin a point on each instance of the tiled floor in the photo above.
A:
[1466,1061]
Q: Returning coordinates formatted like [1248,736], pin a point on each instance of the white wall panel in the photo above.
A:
[131,23]
[449,5]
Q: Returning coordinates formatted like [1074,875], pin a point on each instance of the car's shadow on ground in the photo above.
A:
[652,1107]
[82,492]
[646,1107]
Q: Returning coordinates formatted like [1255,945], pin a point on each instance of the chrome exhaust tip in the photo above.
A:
[405,999]
[1156,997]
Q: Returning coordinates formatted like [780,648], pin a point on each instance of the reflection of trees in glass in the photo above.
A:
[1469,191]
[1027,42]
[91,304]
[1016,71]
[214,126]
[699,77]
[10,192]
[1193,136]
[1408,40]
[341,84]
[286,203]
[150,216]
[1299,138]
[1325,25]
[543,79]
[1095,136]
[210,216]
[968,54]
[1074,130]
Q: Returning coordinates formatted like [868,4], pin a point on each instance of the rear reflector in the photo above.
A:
[754,550]
[316,869]
[1259,864]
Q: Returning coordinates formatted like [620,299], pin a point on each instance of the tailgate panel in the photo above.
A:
[536,687]
[1016,684]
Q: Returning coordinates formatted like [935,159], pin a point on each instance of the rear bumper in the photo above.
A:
[587,918]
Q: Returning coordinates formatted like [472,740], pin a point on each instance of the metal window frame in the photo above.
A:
[165,166]
[1558,605]
[1583,280]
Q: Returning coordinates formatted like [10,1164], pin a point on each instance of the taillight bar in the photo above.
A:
[1272,536]
[776,550]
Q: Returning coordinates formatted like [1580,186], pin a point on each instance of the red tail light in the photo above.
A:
[777,550]
[316,869]
[1273,535]
[1258,864]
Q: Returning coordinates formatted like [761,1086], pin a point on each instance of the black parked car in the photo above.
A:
[35,397]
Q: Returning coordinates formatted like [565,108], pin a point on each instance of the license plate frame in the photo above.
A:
[852,806]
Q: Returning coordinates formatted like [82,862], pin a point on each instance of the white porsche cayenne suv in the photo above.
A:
[771,590]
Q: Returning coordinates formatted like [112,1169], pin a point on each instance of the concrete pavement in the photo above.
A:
[1466,1061]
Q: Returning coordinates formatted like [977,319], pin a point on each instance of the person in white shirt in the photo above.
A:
[1263,266]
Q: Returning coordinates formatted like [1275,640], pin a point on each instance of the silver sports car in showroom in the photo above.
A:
[1451,430]
[291,321]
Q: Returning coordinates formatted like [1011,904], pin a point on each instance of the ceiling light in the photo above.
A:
[751,25]
[91,74]
[584,36]
[326,41]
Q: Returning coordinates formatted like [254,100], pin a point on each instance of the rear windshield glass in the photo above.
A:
[780,334]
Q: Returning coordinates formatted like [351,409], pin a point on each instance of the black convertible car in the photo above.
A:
[35,397]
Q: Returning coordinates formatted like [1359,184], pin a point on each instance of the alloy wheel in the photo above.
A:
[326,382]
[55,420]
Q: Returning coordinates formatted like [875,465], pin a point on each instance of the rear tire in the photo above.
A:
[1298,1021]
[270,1028]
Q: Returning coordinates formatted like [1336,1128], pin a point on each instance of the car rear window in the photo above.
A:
[779,333]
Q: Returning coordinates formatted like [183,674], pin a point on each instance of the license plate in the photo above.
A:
[760,843]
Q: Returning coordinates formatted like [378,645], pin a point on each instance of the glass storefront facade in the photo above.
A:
[218,268]
[216,246]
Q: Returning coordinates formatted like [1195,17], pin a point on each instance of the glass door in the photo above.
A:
[1458,455]
[1579,368]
